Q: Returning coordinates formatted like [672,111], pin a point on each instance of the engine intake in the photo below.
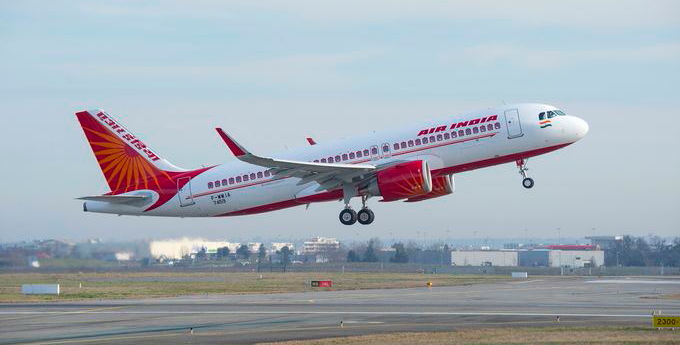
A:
[441,185]
[402,181]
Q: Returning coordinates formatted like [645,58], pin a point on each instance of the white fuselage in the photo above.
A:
[515,133]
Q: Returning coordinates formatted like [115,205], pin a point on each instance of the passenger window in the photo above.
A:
[410,143]
[482,128]
[238,179]
[439,137]
[260,175]
[344,157]
[323,160]
[489,127]
[396,146]
[475,130]
[497,125]
[210,185]
[386,148]
[267,173]
[358,154]
[432,139]
[351,155]
[231,180]
[245,178]
[330,159]
[366,152]
[403,144]
[447,136]
[453,134]
[468,131]
[425,141]
[316,161]
[374,150]
[225,182]
[252,176]
[217,183]
[418,142]
[541,116]
[337,158]
[461,133]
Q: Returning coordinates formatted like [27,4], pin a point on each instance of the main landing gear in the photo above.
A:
[365,216]
[527,182]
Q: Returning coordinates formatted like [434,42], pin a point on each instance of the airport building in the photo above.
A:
[530,258]
[177,249]
[320,245]
[484,258]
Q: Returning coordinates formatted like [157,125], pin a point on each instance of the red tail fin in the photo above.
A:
[126,162]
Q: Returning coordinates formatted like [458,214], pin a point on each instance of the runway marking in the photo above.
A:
[632,281]
[324,312]
[64,312]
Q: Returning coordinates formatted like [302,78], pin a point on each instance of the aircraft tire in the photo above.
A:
[348,216]
[528,182]
[365,216]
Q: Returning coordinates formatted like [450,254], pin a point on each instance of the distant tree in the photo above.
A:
[223,252]
[243,252]
[261,255]
[352,256]
[400,255]
[369,255]
[202,254]
[286,255]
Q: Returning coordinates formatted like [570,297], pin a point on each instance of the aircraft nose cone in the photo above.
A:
[581,128]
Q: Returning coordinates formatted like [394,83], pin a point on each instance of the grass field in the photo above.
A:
[548,335]
[112,285]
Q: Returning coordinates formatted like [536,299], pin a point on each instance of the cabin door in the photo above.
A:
[184,191]
[512,123]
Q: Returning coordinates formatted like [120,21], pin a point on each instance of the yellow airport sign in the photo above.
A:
[666,321]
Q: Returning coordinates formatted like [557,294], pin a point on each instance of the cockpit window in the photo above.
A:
[559,112]
[551,114]
[541,116]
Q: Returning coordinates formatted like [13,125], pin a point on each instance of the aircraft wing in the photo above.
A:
[327,175]
[116,199]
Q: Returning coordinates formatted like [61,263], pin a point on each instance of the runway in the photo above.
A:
[271,317]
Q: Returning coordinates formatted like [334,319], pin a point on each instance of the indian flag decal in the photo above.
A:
[545,124]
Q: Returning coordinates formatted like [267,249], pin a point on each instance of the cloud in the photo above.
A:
[576,14]
[304,70]
[493,54]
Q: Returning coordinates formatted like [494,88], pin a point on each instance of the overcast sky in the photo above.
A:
[273,72]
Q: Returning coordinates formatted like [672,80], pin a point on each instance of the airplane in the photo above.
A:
[413,163]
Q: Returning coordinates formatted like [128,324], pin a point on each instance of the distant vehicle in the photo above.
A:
[413,163]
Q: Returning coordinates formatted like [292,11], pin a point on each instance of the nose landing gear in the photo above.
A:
[527,182]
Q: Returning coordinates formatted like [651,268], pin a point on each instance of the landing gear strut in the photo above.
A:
[527,182]
[365,216]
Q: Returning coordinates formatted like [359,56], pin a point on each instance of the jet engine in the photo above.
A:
[402,181]
[441,185]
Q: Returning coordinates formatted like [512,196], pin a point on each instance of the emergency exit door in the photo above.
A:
[512,124]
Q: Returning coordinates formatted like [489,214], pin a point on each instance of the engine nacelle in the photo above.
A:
[402,181]
[441,185]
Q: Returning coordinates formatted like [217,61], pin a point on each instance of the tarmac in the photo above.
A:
[318,314]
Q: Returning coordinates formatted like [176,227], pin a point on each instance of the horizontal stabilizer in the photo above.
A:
[116,199]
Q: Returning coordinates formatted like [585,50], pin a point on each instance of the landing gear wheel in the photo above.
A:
[528,182]
[348,216]
[365,216]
